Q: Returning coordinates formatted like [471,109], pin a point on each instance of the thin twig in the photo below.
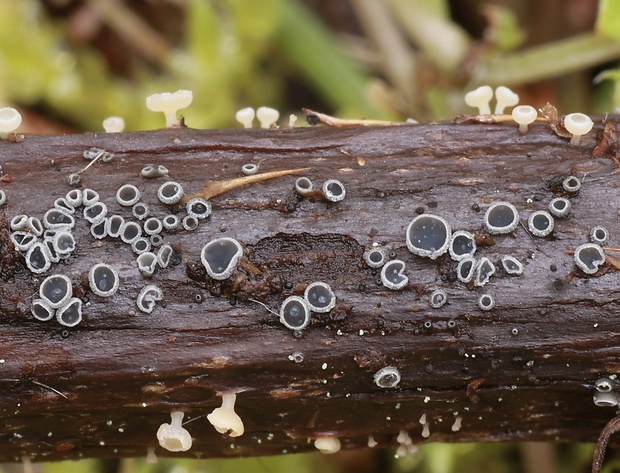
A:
[50,388]
[611,428]
[314,118]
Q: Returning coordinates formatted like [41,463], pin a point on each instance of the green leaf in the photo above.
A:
[608,20]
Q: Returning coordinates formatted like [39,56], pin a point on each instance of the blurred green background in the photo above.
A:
[68,64]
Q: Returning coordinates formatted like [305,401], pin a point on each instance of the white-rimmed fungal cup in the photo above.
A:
[113,124]
[303,186]
[375,257]
[103,280]
[63,243]
[605,399]
[540,223]
[501,218]
[41,310]
[3,197]
[98,230]
[128,195]
[74,197]
[486,302]
[130,232]
[171,222]
[599,235]
[114,226]
[571,184]
[70,314]
[148,297]
[95,213]
[89,197]
[295,313]
[512,265]
[199,208]
[504,97]
[190,223]
[220,257]
[484,270]
[604,385]
[249,169]
[320,297]
[387,377]
[267,116]
[22,240]
[140,210]
[141,245]
[224,419]
[10,119]
[428,236]
[169,103]
[37,258]
[147,263]
[559,207]
[63,205]
[466,269]
[577,124]
[480,98]
[152,226]
[173,437]
[462,245]
[438,298]
[164,255]
[170,192]
[56,219]
[393,275]
[245,116]
[524,115]
[589,257]
[334,190]
[56,290]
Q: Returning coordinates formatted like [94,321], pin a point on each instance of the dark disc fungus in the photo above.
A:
[56,290]
[438,298]
[466,269]
[220,257]
[294,313]
[320,297]
[588,257]
[375,257]
[70,314]
[103,280]
[540,223]
[512,265]
[393,275]
[462,245]
[334,190]
[501,218]
[428,235]
[387,377]
[559,207]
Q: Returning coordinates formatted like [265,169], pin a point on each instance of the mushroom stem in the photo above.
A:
[215,188]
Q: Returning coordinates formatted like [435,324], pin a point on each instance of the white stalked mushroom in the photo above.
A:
[113,124]
[524,115]
[225,419]
[245,116]
[327,445]
[480,99]
[173,437]
[168,103]
[504,98]
[10,119]
[267,116]
[577,124]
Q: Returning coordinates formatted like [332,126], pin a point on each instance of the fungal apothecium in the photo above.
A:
[427,236]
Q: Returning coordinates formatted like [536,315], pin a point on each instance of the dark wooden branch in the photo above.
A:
[523,371]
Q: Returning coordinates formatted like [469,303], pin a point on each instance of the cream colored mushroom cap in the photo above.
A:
[578,123]
[524,114]
[167,101]
[226,420]
[10,119]
[480,96]
[327,445]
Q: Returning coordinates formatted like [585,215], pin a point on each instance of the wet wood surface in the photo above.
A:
[522,371]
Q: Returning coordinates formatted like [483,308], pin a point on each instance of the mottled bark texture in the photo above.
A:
[522,371]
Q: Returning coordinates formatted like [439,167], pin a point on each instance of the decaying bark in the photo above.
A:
[522,371]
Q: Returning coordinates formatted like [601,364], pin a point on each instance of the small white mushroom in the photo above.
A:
[334,190]
[387,377]
[480,98]
[577,124]
[504,98]
[327,445]
[267,116]
[147,298]
[170,192]
[524,115]
[10,119]
[168,103]
[113,124]
[173,437]
[225,419]
[103,280]
[245,116]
